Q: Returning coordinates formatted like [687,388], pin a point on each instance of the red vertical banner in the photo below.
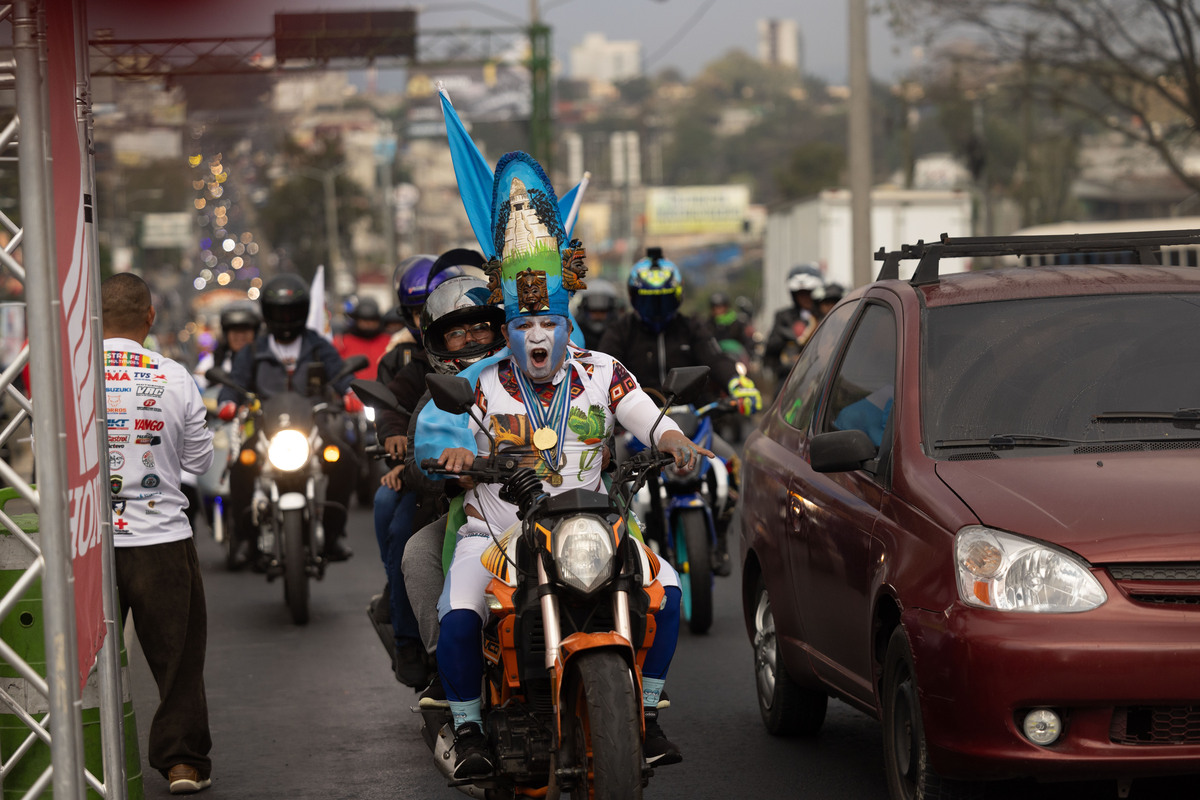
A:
[75,276]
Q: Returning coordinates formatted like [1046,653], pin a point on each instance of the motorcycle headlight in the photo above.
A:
[288,450]
[369,413]
[583,551]
[1011,573]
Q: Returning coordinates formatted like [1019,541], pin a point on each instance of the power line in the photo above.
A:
[681,33]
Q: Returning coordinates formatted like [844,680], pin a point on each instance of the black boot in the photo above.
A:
[336,549]
[658,750]
[472,758]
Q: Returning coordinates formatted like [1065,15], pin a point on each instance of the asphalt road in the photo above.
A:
[314,712]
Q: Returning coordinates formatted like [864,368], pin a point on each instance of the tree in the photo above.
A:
[812,167]
[1132,66]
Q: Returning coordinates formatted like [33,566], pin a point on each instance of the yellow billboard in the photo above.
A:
[696,209]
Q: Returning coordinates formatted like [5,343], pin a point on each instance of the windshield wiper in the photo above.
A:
[1179,414]
[1004,441]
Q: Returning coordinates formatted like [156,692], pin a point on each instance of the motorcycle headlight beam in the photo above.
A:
[288,450]
[583,552]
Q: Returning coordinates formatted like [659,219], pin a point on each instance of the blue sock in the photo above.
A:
[465,711]
[651,691]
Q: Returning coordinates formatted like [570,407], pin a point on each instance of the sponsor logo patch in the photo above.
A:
[116,375]
[115,460]
[149,402]
[150,481]
[118,438]
[148,458]
[114,484]
[145,390]
[147,425]
[118,423]
[147,438]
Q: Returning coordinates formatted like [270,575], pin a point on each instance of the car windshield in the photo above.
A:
[1022,373]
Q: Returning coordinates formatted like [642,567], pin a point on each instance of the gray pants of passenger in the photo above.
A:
[423,577]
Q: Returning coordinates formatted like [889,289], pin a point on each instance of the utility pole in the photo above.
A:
[860,145]
[540,134]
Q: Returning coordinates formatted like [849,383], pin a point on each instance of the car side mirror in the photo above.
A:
[682,382]
[450,393]
[841,451]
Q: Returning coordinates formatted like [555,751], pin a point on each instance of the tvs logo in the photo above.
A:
[147,425]
[114,484]
[150,481]
[116,376]
[115,460]
[150,391]
[149,403]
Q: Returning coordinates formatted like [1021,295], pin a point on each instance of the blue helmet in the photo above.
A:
[655,289]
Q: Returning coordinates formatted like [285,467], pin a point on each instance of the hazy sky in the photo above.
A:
[681,33]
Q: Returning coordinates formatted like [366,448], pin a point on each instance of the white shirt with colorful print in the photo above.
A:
[156,429]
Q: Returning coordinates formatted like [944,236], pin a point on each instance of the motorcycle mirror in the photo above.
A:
[450,393]
[376,395]
[684,381]
[218,375]
[350,366]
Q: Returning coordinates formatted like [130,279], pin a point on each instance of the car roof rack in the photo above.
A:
[1146,244]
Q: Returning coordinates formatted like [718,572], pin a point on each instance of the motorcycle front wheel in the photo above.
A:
[295,565]
[693,556]
[605,728]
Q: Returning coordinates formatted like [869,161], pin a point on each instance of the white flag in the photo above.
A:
[318,315]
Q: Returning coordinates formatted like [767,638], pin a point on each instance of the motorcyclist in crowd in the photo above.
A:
[464,329]
[728,323]
[653,337]
[276,362]
[598,306]
[826,297]
[793,325]
[412,280]
[365,336]
[239,325]
[538,358]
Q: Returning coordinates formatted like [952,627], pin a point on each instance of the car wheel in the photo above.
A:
[905,754]
[787,709]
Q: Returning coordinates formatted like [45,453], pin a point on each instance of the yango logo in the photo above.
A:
[147,425]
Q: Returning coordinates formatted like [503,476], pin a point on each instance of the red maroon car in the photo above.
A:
[973,511]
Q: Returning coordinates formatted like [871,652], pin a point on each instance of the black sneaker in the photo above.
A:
[337,550]
[658,750]
[411,667]
[472,758]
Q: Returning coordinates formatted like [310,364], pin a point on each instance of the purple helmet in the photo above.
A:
[417,276]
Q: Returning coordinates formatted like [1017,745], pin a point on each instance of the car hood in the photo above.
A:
[1106,507]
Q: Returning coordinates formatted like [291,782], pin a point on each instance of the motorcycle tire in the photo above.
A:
[604,728]
[693,556]
[295,565]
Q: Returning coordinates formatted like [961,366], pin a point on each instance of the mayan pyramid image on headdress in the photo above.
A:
[525,232]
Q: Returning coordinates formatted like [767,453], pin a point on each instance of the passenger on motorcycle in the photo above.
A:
[365,336]
[654,337]
[793,325]
[275,362]
[554,406]
[458,327]
[598,307]
[728,323]
[412,280]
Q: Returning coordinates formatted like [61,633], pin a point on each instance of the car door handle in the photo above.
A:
[794,509]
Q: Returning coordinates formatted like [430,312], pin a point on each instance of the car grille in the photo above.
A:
[1156,725]
[1159,584]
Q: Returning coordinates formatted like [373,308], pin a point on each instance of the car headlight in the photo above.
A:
[288,450]
[1005,572]
[583,551]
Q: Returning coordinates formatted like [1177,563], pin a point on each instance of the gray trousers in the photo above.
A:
[423,577]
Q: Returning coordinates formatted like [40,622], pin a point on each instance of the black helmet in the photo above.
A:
[366,309]
[285,300]
[240,315]
[457,301]
[718,299]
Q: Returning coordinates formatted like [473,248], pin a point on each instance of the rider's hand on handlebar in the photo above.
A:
[686,452]
[227,411]
[456,459]
[396,446]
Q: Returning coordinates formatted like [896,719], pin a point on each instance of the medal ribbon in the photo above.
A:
[553,417]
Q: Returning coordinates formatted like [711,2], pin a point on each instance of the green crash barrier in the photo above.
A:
[23,752]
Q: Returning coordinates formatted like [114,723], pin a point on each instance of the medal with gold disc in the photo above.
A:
[549,422]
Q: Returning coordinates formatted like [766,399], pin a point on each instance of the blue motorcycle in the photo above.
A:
[690,505]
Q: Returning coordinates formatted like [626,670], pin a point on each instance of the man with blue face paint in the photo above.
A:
[553,406]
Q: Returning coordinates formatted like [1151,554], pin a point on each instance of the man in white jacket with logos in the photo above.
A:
[156,429]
